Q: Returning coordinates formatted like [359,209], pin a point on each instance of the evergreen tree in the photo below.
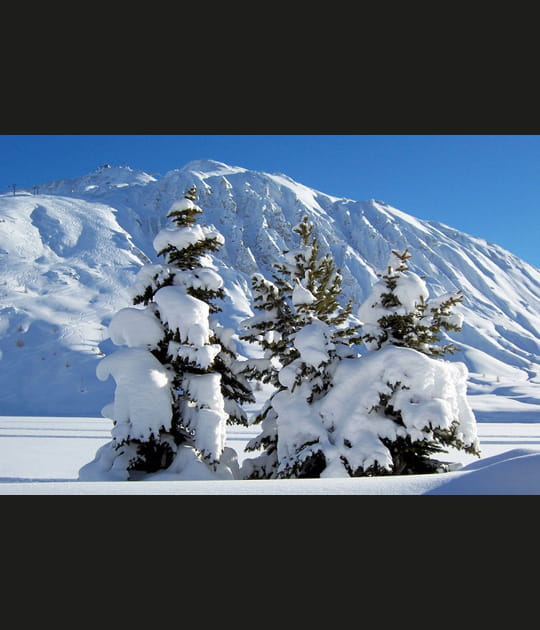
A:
[307,271]
[398,313]
[185,246]
[303,332]
[271,329]
[171,408]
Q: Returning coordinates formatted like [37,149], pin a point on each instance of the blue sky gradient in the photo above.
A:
[485,185]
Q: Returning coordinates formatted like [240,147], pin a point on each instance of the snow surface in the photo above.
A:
[43,455]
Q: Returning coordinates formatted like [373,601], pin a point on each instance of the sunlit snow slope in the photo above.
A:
[69,249]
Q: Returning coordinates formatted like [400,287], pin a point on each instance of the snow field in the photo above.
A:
[40,455]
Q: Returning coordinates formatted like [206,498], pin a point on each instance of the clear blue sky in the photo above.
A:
[485,185]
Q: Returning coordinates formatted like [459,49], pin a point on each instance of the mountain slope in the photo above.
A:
[64,268]
[69,252]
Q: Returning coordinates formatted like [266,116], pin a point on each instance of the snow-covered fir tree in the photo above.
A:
[170,410]
[400,321]
[189,265]
[388,411]
[392,409]
[303,332]
[397,312]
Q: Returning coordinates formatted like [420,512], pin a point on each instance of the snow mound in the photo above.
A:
[513,472]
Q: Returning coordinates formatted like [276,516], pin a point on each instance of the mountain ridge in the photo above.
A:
[123,208]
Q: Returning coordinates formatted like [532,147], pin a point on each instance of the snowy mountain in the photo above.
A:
[69,250]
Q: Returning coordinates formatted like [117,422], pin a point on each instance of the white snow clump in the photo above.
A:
[184,313]
[142,400]
[135,327]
